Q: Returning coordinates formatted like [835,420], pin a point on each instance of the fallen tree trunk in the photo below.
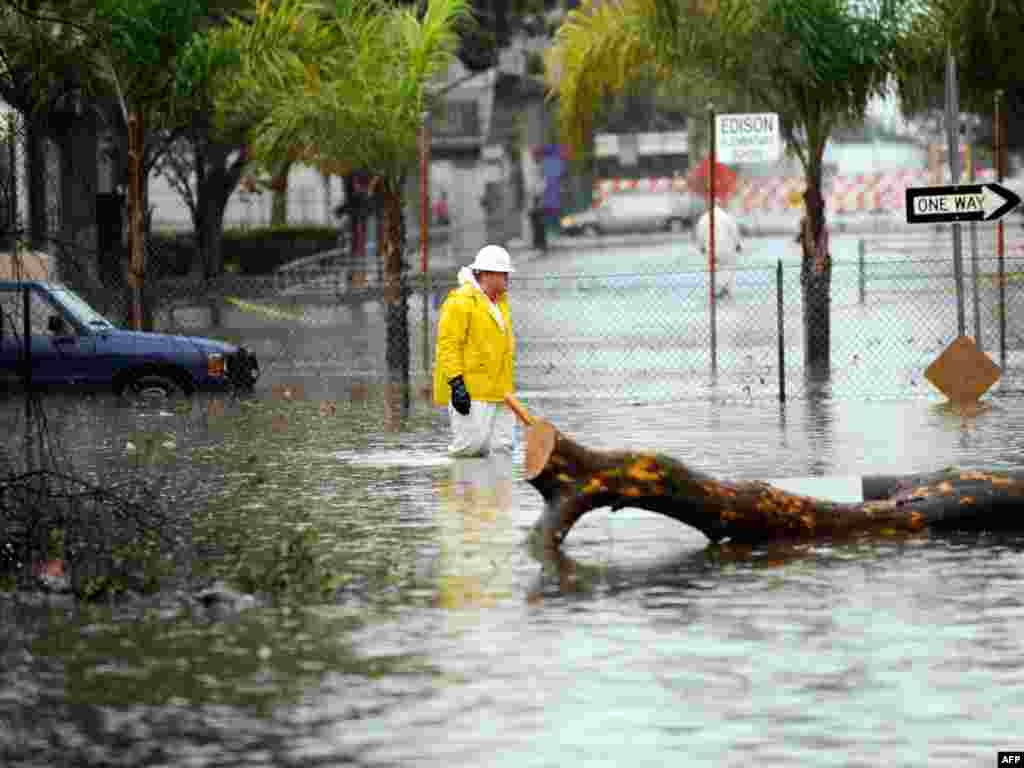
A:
[574,480]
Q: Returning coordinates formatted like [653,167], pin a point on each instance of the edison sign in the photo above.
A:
[747,138]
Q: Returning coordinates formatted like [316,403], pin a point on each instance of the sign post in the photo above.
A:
[711,239]
[953,148]
[735,138]
[962,372]
[959,203]
[748,138]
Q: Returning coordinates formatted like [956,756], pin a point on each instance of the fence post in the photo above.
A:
[782,333]
[1000,232]
[426,323]
[1002,309]
[861,275]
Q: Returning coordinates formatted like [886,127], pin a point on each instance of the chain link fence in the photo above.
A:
[641,335]
[649,336]
[634,333]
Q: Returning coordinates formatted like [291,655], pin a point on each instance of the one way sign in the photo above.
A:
[965,202]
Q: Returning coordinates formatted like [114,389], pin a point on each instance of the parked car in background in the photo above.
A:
[74,347]
[636,211]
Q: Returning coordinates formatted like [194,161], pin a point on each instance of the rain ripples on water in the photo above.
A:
[432,636]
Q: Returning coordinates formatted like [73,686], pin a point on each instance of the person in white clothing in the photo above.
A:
[728,243]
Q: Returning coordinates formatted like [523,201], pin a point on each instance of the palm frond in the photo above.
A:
[599,50]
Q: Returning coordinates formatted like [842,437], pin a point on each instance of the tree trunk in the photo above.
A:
[219,180]
[279,202]
[78,141]
[574,480]
[396,296]
[356,206]
[38,178]
[136,216]
[816,276]
[209,236]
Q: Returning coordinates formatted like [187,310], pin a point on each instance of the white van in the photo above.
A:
[636,212]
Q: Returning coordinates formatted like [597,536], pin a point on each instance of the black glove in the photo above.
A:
[460,395]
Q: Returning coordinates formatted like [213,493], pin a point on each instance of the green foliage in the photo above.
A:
[261,251]
[55,549]
[145,31]
[142,41]
[293,232]
[254,251]
[141,564]
[341,90]
[146,559]
[199,61]
[292,570]
[815,62]
[97,587]
[983,35]
[46,50]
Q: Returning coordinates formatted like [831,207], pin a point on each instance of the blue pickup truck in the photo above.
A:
[74,347]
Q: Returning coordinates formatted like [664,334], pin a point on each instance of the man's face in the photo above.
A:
[494,284]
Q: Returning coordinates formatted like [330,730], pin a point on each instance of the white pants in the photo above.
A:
[487,427]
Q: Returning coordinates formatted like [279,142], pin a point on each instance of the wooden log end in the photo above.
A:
[540,443]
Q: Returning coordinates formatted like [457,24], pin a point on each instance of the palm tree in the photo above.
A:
[351,94]
[814,62]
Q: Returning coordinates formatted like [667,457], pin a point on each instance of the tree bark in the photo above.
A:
[396,297]
[219,180]
[136,216]
[38,174]
[78,142]
[574,480]
[279,200]
[816,276]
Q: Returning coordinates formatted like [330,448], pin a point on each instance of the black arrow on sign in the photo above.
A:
[962,202]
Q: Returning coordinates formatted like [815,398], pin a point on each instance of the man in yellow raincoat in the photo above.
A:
[474,366]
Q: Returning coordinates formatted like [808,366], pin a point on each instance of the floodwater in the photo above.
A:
[444,641]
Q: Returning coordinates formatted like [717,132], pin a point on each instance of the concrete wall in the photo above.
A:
[309,202]
[29,265]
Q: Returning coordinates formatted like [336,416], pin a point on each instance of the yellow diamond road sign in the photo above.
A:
[963,373]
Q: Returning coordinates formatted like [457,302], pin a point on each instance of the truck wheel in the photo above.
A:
[153,385]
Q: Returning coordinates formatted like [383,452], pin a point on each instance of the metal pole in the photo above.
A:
[425,233]
[782,333]
[861,276]
[711,241]
[969,138]
[1000,232]
[953,142]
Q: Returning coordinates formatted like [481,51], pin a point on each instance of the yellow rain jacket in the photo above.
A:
[470,342]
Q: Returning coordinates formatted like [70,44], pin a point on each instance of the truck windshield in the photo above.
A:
[77,306]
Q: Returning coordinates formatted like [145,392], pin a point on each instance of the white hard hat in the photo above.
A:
[492,258]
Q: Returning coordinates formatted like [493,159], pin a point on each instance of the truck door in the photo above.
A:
[58,354]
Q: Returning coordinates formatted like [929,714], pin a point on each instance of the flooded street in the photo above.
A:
[436,638]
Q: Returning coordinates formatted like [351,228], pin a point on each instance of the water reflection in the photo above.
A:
[479,539]
[396,404]
[188,692]
[818,422]
[444,625]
